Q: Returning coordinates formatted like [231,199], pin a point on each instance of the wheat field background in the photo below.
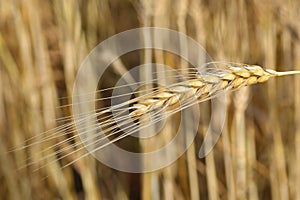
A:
[42,44]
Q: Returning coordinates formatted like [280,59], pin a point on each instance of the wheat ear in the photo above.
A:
[207,85]
[217,78]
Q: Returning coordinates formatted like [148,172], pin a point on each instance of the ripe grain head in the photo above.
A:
[218,77]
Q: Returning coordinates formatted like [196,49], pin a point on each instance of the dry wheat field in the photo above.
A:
[257,156]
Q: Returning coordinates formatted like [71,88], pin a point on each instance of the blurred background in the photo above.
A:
[42,44]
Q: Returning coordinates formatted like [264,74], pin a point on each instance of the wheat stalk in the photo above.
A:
[207,85]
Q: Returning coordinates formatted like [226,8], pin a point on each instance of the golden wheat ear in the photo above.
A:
[212,79]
